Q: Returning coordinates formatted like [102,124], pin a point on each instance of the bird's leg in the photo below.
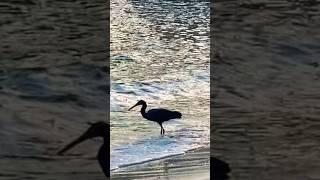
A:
[162,129]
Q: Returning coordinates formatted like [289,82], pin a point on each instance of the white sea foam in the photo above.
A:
[156,147]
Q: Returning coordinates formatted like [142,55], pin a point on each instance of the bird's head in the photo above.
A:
[98,129]
[140,102]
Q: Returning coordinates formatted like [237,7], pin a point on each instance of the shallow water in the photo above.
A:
[160,53]
[52,81]
[266,98]
[193,165]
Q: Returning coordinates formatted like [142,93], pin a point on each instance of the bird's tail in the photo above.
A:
[177,114]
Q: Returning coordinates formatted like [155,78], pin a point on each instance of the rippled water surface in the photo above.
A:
[52,81]
[266,95]
[160,53]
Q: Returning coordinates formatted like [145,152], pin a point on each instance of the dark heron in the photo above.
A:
[98,129]
[220,169]
[157,115]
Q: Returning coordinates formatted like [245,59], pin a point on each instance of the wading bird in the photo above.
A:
[157,115]
[98,129]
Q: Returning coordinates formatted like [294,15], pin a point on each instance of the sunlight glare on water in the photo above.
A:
[160,53]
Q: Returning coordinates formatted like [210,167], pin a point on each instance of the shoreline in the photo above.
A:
[189,165]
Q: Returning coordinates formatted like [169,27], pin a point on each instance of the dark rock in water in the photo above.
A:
[219,169]
[122,58]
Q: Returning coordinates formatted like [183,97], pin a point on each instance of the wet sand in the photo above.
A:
[194,164]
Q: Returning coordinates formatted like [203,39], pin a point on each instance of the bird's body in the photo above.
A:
[99,129]
[161,115]
[157,115]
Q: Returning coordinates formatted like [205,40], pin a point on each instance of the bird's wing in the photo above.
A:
[163,114]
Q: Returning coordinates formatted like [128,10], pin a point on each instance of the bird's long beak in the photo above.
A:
[80,139]
[133,107]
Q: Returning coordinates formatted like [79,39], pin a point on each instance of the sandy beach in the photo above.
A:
[194,164]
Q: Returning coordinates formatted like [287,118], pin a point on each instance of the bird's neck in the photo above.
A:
[104,158]
[106,137]
[103,154]
[143,110]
